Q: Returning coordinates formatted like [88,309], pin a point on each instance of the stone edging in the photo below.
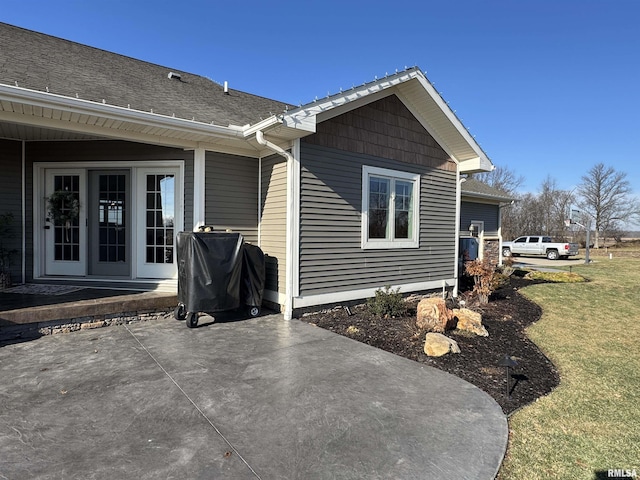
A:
[53,327]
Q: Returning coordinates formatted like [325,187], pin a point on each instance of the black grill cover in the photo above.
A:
[209,270]
[253,275]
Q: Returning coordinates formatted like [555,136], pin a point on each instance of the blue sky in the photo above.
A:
[547,87]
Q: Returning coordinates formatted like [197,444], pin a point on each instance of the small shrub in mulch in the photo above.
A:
[505,317]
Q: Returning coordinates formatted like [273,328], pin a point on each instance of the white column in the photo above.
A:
[198,188]
[293,228]
[456,248]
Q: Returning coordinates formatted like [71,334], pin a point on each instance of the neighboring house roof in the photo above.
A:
[476,189]
[48,84]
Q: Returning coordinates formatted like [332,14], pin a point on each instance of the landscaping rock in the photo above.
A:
[470,321]
[436,345]
[434,316]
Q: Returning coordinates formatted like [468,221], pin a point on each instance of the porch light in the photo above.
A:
[507,362]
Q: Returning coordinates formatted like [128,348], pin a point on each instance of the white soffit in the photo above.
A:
[54,112]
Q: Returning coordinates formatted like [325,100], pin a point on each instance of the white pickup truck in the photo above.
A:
[539,245]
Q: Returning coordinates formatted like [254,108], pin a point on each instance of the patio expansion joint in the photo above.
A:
[204,415]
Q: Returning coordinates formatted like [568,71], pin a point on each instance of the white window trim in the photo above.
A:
[369,244]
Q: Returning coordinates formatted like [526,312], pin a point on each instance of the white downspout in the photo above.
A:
[288,307]
[259,202]
[457,242]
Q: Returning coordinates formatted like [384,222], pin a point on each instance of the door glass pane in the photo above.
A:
[112,212]
[160,218]
[66,228]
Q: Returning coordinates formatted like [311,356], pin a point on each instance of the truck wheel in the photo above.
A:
[552,254]
[506,252]
[254,311]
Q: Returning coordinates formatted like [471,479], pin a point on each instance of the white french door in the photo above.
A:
[159,217]
[66,242]
[127,224]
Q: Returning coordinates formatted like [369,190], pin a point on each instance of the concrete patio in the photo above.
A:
[260,398]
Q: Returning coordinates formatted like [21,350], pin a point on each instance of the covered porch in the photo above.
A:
[139,178]
[29,311]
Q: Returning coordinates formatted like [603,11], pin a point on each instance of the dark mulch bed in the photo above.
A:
[505,318]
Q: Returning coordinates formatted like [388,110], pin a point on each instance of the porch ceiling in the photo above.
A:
[14,131]
[35,116]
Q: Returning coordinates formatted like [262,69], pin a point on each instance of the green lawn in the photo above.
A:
[591,422]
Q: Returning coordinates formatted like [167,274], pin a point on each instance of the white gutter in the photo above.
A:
[261,126]
[87,107]
[288,307]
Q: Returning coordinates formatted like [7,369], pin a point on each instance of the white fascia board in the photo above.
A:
[455,121]
[306,123]
[476,165]
[304,117]
[263,126]
[484,198]
[112,112]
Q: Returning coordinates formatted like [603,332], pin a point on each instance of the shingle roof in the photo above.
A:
[476,188]
[41,62]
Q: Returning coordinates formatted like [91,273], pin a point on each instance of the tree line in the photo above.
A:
[603,201]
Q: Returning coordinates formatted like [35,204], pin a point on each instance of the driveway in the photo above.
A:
[543,263]
[260,398]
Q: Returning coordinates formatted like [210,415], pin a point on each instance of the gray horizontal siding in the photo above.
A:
[273,221]
[331,257]
[188,197]
[11,201]
[472,211]
[231,198]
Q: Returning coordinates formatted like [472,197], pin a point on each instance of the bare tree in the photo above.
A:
[606,197]
[523,217]
[507,181]
[554,205]
[501,178]
[542,213]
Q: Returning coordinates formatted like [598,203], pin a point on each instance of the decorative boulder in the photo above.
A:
[436,345]
[434,316]
[470,321]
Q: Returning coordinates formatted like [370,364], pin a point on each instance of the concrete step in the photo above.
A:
[33,321]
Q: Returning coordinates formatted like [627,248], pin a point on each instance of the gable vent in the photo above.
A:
[174,75]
